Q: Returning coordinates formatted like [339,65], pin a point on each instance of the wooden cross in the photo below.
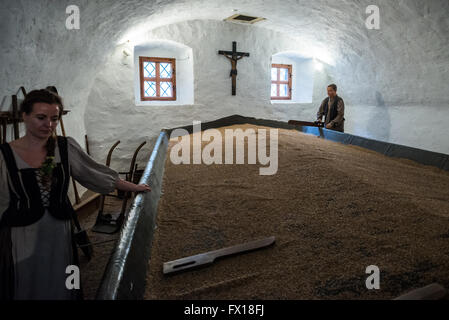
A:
[234,56]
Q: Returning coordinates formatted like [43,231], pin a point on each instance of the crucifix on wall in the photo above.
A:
[234,56]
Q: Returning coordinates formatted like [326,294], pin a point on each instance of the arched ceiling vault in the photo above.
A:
[35,43]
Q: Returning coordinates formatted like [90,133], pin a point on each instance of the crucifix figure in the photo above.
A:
[234,56]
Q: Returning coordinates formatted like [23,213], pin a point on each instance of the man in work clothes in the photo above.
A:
[333,110]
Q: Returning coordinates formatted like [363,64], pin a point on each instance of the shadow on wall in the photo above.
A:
[379,124]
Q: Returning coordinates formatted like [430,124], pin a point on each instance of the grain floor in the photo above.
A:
[334,210]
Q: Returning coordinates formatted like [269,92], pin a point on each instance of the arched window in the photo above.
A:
[163,73]
[291,78]
[281,81]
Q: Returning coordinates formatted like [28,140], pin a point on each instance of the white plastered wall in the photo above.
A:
[113,115]
[393,80]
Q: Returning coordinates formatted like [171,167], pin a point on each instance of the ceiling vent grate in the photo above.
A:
[243,18]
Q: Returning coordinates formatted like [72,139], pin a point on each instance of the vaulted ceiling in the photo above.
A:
[36,44]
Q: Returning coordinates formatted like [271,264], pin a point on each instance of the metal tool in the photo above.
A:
[209,257]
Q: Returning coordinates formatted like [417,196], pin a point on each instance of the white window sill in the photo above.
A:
[163,103]
[289,102]
[282,101]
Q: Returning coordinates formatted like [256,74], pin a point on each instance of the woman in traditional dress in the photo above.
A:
[36,244]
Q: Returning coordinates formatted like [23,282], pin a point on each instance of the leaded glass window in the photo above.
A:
[157,79]
[281,82]
[166,89]
[149,69]
[150,89]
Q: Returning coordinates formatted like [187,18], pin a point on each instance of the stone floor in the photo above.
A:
[103,245]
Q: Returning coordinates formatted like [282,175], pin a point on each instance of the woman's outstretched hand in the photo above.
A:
[129,186]
[142,188]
